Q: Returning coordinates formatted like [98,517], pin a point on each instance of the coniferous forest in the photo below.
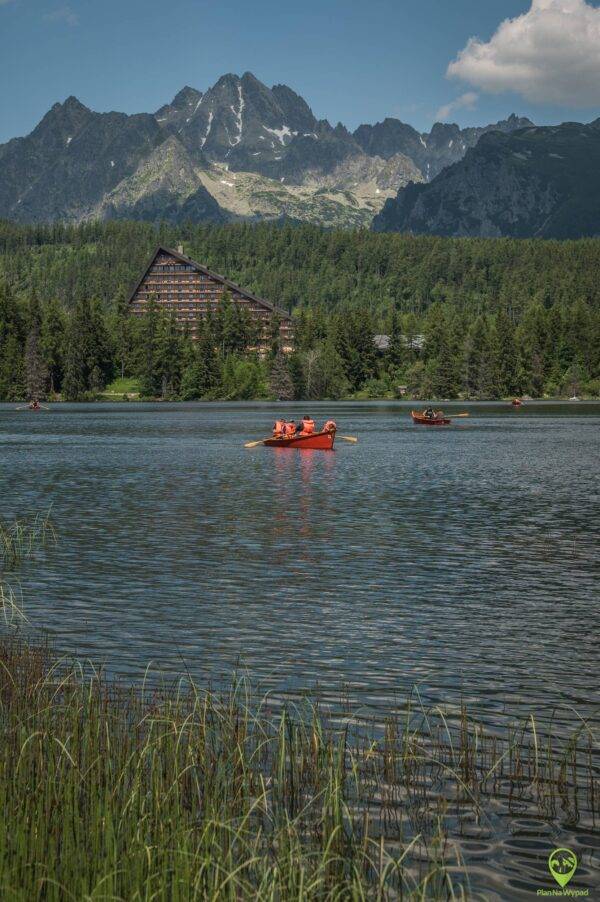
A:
[468,318]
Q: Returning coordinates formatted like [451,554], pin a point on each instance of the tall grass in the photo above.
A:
[21,538]
[11,608]
[118,793]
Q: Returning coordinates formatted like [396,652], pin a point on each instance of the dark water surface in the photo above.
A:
[464,560]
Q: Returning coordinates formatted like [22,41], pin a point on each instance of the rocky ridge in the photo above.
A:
[237,150]
[536,182]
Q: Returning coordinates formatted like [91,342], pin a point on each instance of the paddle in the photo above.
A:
[254,444]
[349,438]
[456,415]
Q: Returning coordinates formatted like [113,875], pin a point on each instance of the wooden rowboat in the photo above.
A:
[422,420]
[314,441]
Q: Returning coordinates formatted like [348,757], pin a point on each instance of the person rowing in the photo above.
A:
[430,413]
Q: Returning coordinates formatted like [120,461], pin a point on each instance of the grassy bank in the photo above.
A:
[121,793]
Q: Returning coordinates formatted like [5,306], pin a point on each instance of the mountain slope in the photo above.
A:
[71,160]
[167,187]
[538,181]
[431,151]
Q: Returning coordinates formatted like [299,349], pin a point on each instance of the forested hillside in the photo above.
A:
[498,316]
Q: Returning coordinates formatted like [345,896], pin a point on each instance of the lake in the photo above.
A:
[463,561]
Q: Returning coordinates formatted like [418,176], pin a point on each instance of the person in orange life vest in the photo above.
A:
[278,428]
[306,426]
[289,429]
[330,426]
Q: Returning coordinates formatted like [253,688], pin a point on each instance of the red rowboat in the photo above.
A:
[516,402]
[313,441]
[422,420]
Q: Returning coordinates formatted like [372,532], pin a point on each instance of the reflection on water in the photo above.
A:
[463,560]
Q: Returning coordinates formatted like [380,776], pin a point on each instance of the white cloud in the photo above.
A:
[550,54]
[464,102]
[63,14]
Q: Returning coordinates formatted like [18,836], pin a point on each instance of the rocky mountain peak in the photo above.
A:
[514,122]
[182,108]
[186,97]
[73,105]
[295,109]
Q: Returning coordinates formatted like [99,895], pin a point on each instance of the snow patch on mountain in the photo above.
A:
[281,133]
[238,118]
[208,128]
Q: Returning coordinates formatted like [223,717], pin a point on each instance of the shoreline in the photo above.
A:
[193,788]
[119,399]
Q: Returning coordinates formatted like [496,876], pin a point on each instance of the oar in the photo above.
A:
[456,415]
[349,438]
[254,444]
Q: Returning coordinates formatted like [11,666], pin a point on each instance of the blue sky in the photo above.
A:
[352,61]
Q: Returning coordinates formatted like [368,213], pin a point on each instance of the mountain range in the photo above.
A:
[240,150]
[534,182]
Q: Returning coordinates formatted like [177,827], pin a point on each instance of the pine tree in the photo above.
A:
[87,352]
[435,331]
[506,356]
[149,366]
[168,356]
[481,363]
[52,342]
[122,332]
[280,379]
[193,380]
[206,350]
[531,340]
[395,355]
[36,371]
[75,382]
[12,328]
[98,347]
[578,334]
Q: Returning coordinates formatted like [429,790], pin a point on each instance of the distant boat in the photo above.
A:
[516,402]
[574,398]
[438,420]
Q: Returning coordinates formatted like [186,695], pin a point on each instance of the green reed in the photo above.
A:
[109,792]
[22,537]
